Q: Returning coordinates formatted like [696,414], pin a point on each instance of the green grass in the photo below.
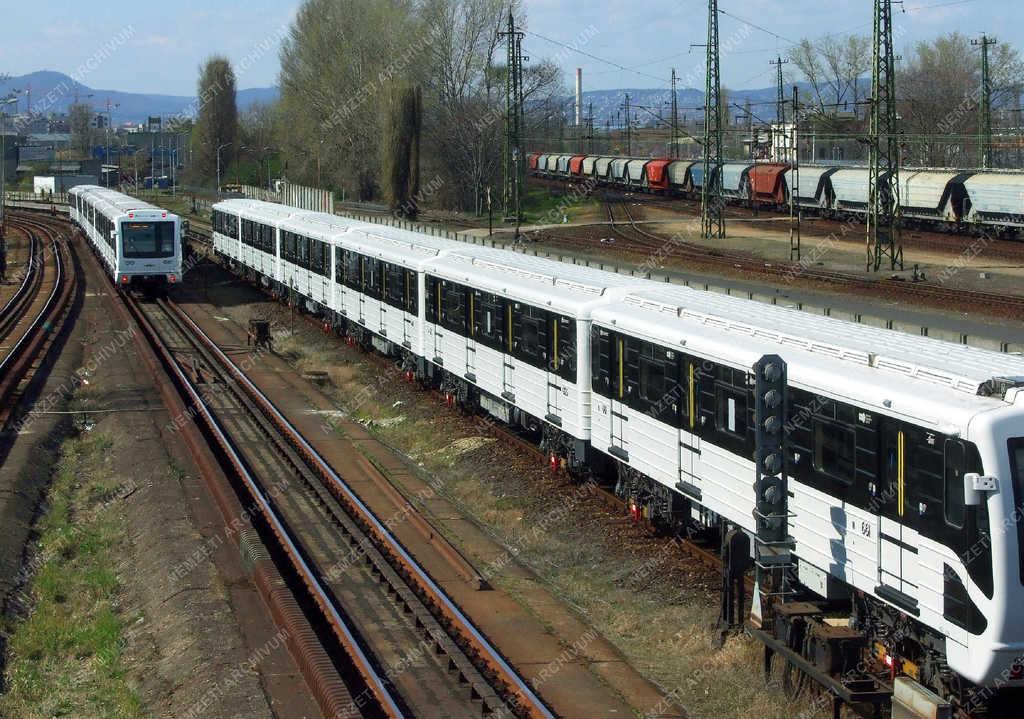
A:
[66,657]
[540,206]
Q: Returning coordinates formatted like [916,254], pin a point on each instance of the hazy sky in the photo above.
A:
[145,46]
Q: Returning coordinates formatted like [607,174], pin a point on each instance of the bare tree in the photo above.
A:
[833,67]
[940,89]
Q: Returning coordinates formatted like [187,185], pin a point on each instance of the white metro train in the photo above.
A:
[904,455]
[138,243]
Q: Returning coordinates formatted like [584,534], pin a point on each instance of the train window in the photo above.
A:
[339,265]
[146,240]
[412,292]
[730,410]
[316,257]
[1016,450]
[302,251]
[834,450]
[652,380]
[489,320]
[530,335]
[394,285]
[453,307]
[353,270]
[433,299]
[563,347]
[601,361]
[372,277]
[955,468]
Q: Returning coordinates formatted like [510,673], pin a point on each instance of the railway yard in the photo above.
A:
[414,384]
[367,550]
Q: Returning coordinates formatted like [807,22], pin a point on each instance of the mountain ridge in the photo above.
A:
[54,92]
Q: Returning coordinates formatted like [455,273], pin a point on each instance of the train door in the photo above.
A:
[689,438]
[897,555]
[508,371]
[560,329]
[617,414]
[410,293]
[470,298]
[367,278]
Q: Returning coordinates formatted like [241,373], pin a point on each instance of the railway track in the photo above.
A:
[376,603]
[29,320]
[638,241]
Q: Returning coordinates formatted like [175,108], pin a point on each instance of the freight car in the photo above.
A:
[953,200]
[898,475]
[138,244]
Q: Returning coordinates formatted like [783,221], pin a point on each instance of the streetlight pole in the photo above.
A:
[221,147]
[3,166]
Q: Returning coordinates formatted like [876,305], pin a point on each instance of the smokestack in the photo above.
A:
[579,97]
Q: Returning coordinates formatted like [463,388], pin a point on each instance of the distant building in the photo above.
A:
[43,184]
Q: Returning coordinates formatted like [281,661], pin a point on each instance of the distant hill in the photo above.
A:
[55,92]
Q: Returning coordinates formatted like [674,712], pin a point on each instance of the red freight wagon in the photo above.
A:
[532,160]
[576,164]
[657,174]
[767,183]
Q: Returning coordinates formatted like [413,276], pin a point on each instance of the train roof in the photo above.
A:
[894,356]
[113,203]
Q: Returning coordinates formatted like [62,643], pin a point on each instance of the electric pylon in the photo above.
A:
[985,105]
[712,216]
[883,226]
[780,103]
[514,164]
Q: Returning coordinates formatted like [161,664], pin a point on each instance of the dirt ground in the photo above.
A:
[636,590]
[124,612]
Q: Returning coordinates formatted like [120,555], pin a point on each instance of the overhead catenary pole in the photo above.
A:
[675,116]
[627,108]
[711,204]
[883,223]
[514,171]
[985,104]
[795,214]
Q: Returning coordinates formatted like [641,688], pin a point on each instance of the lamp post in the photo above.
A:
[267,151]
[219,148]
[3,165]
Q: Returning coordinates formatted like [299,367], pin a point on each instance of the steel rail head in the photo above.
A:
[517,685]
[388,704]
[43,313]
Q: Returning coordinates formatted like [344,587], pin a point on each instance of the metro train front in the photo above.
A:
[150,242]
[138,243]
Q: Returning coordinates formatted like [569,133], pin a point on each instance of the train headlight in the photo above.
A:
[172,278]
[124,279]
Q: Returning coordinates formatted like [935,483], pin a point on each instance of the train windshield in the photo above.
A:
[146,240]
[1016,447]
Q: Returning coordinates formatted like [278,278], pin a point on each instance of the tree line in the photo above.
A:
[381,97]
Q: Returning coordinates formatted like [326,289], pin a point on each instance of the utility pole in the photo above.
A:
[513,165]
[712,216]
[985,106]
[883,226]
[625,107]
[795,214]
[675,117]
[590,126]
[780,104]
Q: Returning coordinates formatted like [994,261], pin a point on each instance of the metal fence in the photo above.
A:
[305,198]
[57,197]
